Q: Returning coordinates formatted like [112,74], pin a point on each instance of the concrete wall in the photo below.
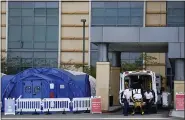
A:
[71,31]
[3,28]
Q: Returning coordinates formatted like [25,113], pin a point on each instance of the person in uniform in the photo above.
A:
[137,98]
[126,100]
[148,97]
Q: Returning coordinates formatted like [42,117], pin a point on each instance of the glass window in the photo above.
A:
[51,62]
[110,20]
[94,47]
[40,20]
[136,21]
[40,4]
[27,20]
[52,12]
[27,54]
[14,44]
[27,33]
[40,12]
[39,33]
[51,55]
[175,14]
[124,5]
[14,33]
[124,20]
[123,12]
[136,12]
[110,4]
[39,62]
[52,20]
[136,4]
[27,4]
[27,12]
[52,34]
[27,62]
[39,54]
[98,12]
[27,45]
[39,45]
[14,4]
[51,45]
[52,4]
[111,12]
[14,20]
[14,12]
[114,13]
[97,4]
[97,20]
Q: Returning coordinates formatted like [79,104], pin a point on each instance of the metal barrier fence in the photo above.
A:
[56,104]
[28,105]
[80,104]
[47,105]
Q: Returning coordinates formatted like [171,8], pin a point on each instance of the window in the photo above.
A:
[175,14]
[117,13]
[33,26]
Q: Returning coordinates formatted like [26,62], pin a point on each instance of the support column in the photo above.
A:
[116,59]
[103,52]
[115,77]
[179,69]
[179,77]
[102,83]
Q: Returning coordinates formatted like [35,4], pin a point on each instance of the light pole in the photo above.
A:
[83,21]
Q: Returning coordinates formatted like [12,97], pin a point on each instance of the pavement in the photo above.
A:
[177,114]
[162,114]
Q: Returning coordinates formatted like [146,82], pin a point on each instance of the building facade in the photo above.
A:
[48,34]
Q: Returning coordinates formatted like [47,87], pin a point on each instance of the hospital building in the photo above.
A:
[50,34]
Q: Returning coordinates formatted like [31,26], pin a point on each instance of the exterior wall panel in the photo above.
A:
[75,7]
[74,45]
[3,28]
[72,31]
[73,57]
[156,17]
[74,19]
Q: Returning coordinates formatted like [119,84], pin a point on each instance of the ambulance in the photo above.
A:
[147,79]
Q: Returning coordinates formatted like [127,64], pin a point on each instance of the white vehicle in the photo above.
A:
[146,79]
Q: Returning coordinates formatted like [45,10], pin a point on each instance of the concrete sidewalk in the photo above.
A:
[176,114]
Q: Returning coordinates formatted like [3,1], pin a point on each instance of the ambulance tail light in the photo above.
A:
[126,72]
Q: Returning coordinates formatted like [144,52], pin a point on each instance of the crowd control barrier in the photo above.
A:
[37,105]
[28,105]
[80,104]
[56,104]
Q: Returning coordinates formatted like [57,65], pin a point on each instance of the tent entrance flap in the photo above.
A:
[32,89]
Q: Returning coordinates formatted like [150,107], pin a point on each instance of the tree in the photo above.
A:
[138,64]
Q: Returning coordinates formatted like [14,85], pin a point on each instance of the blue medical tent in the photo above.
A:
[35,83]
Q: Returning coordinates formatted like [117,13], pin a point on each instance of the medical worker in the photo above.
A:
[148,97]
[126,100]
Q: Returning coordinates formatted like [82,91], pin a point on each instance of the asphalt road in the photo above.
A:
[88,116]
